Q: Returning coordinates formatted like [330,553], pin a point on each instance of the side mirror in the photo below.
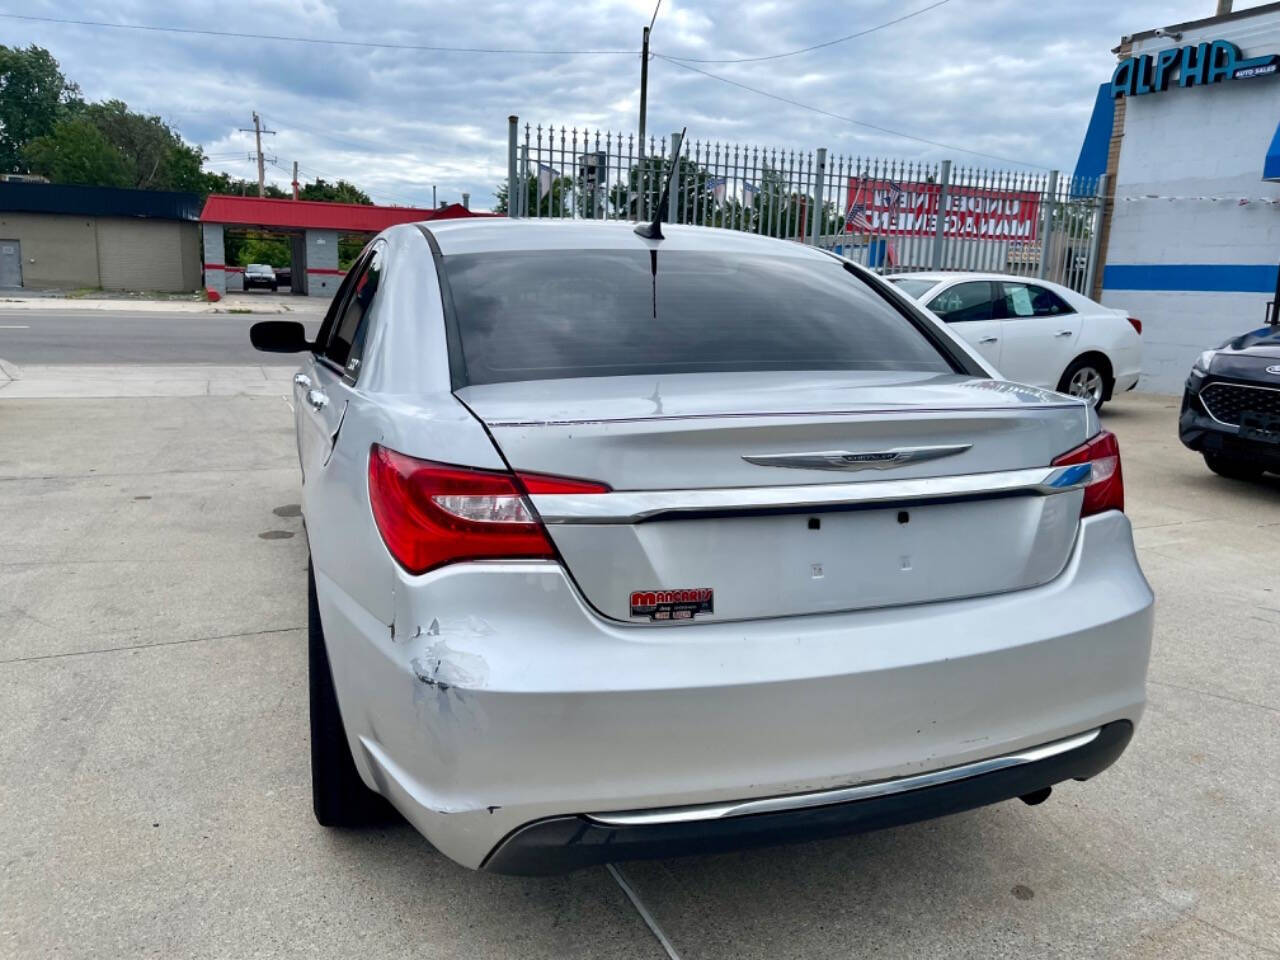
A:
[279,336]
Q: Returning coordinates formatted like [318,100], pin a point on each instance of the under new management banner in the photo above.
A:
[907,209]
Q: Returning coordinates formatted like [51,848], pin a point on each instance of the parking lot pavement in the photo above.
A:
[154,795]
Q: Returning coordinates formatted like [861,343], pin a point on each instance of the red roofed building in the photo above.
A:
[315,226]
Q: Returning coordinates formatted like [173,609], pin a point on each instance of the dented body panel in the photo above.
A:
[480,716]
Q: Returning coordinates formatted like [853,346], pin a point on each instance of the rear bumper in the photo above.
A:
[498,699]
[559,844]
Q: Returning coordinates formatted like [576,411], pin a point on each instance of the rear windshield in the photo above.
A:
[598,313]
[913,288]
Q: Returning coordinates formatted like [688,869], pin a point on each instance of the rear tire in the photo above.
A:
[1231,468]
[1088,378]
[338,795]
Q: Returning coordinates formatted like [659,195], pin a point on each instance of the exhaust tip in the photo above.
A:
[1036,796]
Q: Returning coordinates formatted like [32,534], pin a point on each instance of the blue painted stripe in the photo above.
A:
[1199,277]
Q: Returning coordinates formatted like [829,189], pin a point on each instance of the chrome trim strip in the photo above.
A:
[822,798]
[1227,383]
[857,459]
[905,410]
[632,506]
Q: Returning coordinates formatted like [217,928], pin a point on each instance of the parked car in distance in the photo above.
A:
[284,276]
[1231,406]
[1037,332]
[260,275]
[627,547]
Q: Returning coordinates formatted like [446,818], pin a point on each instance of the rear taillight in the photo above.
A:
[1136,324]
[1105,488]
[432,514]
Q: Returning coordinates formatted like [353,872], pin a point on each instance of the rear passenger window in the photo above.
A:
[965,302]
[346,347]
[1030,300]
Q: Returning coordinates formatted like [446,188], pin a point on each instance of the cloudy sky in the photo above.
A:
[1013,78]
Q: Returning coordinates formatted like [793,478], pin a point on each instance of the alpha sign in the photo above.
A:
[1197,64]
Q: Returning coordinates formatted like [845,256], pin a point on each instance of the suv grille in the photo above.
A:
[1226,401]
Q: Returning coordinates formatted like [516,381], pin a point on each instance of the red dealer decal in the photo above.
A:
[672,604]
[910,209]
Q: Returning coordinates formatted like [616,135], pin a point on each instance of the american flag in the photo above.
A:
[855,220]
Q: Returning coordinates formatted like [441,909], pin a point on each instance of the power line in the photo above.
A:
[315,175]
[816,46]
[841,117]
[426,48]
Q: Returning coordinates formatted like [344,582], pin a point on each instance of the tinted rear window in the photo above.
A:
[590,313]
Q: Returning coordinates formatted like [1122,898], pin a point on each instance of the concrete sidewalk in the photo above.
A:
[105,381]
[154,783]
[231,303]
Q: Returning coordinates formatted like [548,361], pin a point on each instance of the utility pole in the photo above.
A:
[641,186]
[644,86]
[433,196]
[295,179]
[257,136]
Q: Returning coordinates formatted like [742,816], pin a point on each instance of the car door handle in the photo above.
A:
[989,340]
[1063,333]
[301,380]
[318,399]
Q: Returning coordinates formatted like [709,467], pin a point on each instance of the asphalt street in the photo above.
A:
[154,786]
[116,336]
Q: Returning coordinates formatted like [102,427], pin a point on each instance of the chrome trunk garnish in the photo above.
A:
[856,460]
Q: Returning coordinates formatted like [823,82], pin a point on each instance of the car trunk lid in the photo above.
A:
[739,496]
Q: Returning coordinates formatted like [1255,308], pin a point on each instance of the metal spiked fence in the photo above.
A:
[888,214]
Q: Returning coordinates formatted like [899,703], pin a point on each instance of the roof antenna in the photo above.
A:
[653,231]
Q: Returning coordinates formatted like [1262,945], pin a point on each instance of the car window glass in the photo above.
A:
[346,346]
[599,313]
[335,305]
[911,287]
[1032,300]
[964,302]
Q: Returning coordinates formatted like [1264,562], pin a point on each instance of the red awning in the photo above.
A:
[269,212]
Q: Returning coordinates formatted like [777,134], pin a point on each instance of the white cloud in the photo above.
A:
[1007,77]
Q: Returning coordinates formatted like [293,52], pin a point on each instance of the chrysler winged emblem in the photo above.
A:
[856,459]
[1274,369]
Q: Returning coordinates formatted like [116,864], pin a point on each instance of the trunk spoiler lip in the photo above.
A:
[905,409]
[635,506]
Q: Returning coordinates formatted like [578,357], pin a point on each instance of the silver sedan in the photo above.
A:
[627,547]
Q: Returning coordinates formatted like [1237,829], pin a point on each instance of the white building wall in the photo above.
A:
[1185,143]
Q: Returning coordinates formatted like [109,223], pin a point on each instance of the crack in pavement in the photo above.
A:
[148,646]
[1216,696]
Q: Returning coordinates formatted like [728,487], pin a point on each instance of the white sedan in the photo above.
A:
[1036,332]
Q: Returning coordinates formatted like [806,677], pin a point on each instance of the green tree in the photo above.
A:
[77,152]
[260,248]
[224,183]
[340,192]
[158,158]
[33,96]
[556,202]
